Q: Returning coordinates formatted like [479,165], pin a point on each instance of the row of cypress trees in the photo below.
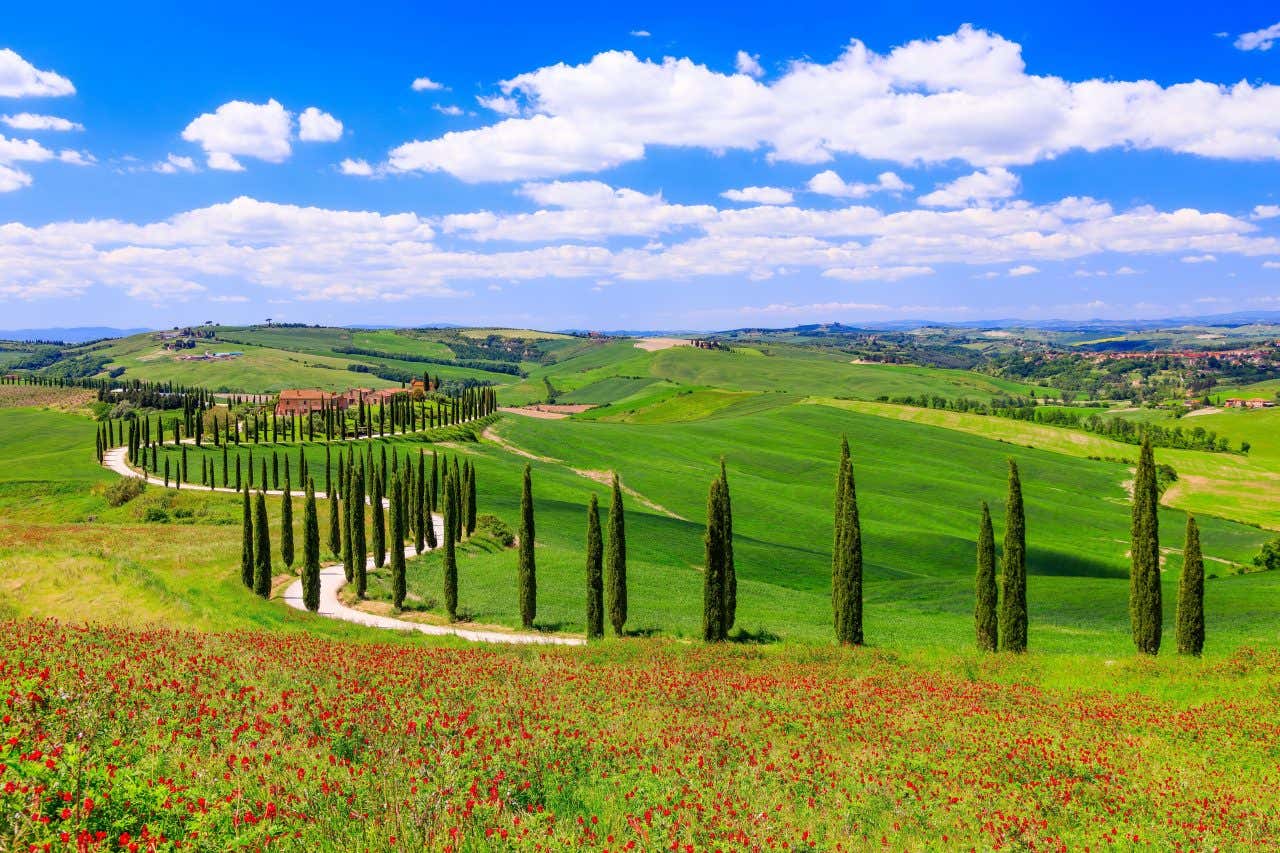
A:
[1000,619]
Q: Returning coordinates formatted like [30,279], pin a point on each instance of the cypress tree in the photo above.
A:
[286,526]
[261,549]
[846,562]
[246,544]
[450,557]
[423,526]
[528,570]
[713,575]
[986,619]
[471,499]
[359,545]
[310,551]
[1013,609]
[335,525]
[397,545]
[595,572]
[466,498]
[455,477]
[379,526]
[435,479]
[616,561]
[1145,605]
[1191,594]
[730,571]
[348,535]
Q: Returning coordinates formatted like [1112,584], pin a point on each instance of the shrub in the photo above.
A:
[155,514]
[124,490]
[496,529]
[1269,559]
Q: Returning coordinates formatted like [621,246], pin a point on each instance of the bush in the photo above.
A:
[1269,559]
[124,490]
[496,529]
[155,514]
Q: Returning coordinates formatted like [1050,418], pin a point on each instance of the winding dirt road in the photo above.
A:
[332,580]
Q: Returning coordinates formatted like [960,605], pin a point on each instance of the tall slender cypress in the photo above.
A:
[1013,609]
[713,576]
[378,518]
[528,574]
[261,549]
[359,545]
[423,526]
[335,525]
[986,617]
[616,561]
[1191,594]
[1145,605]
[466,498]
[455,477]
[450,556]
[348,535]
[730,571]
[310,551]
[595,572]
[286,526]
[470,508]
[398,588]
[846,558]
[246,544]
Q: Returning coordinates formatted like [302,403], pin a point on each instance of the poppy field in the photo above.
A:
[121,739]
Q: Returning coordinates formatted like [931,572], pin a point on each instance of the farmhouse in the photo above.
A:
[1254,403]
[304,401]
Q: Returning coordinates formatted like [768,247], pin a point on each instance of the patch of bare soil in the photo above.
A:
[655,344]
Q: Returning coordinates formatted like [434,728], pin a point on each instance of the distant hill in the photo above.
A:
[71,335]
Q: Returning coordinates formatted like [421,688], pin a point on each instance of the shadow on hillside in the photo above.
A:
[1047,562]
[758,637]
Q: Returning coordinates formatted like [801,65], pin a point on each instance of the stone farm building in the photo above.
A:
[304,401]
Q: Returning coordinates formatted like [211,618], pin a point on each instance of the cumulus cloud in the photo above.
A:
[13,179]
[1266,211]
[966,96]
[980,187]
[641,34]
[34,121]
[448,109]
[355,167]
[499,104]
[426,84]
[1198,259]
[584,230]
[239,128]
[759,195]
[1259,39]
[21,79]
[1023,270]
[315,125]
[829,183]
[174,163]
[748,64]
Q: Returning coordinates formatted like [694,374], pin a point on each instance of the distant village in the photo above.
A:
[305,401]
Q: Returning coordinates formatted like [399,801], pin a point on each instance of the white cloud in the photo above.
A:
[239,128]
[829,183]
[13,179]
[426,84]
[355,167]
[449,110]
[21,79]
[759,195]
[175,163]
[34,121]
[1198,259]
[641,34]
[1259,39]
[315,125]
[876,273]
[965,96]
[76,158]
[980,187]
[1023,270]
[1266,211]
[1271,265]
[499,104]
[748,64]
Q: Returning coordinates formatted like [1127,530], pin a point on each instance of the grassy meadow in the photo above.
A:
[248,723]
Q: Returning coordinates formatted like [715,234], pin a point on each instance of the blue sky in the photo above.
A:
[640,167]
